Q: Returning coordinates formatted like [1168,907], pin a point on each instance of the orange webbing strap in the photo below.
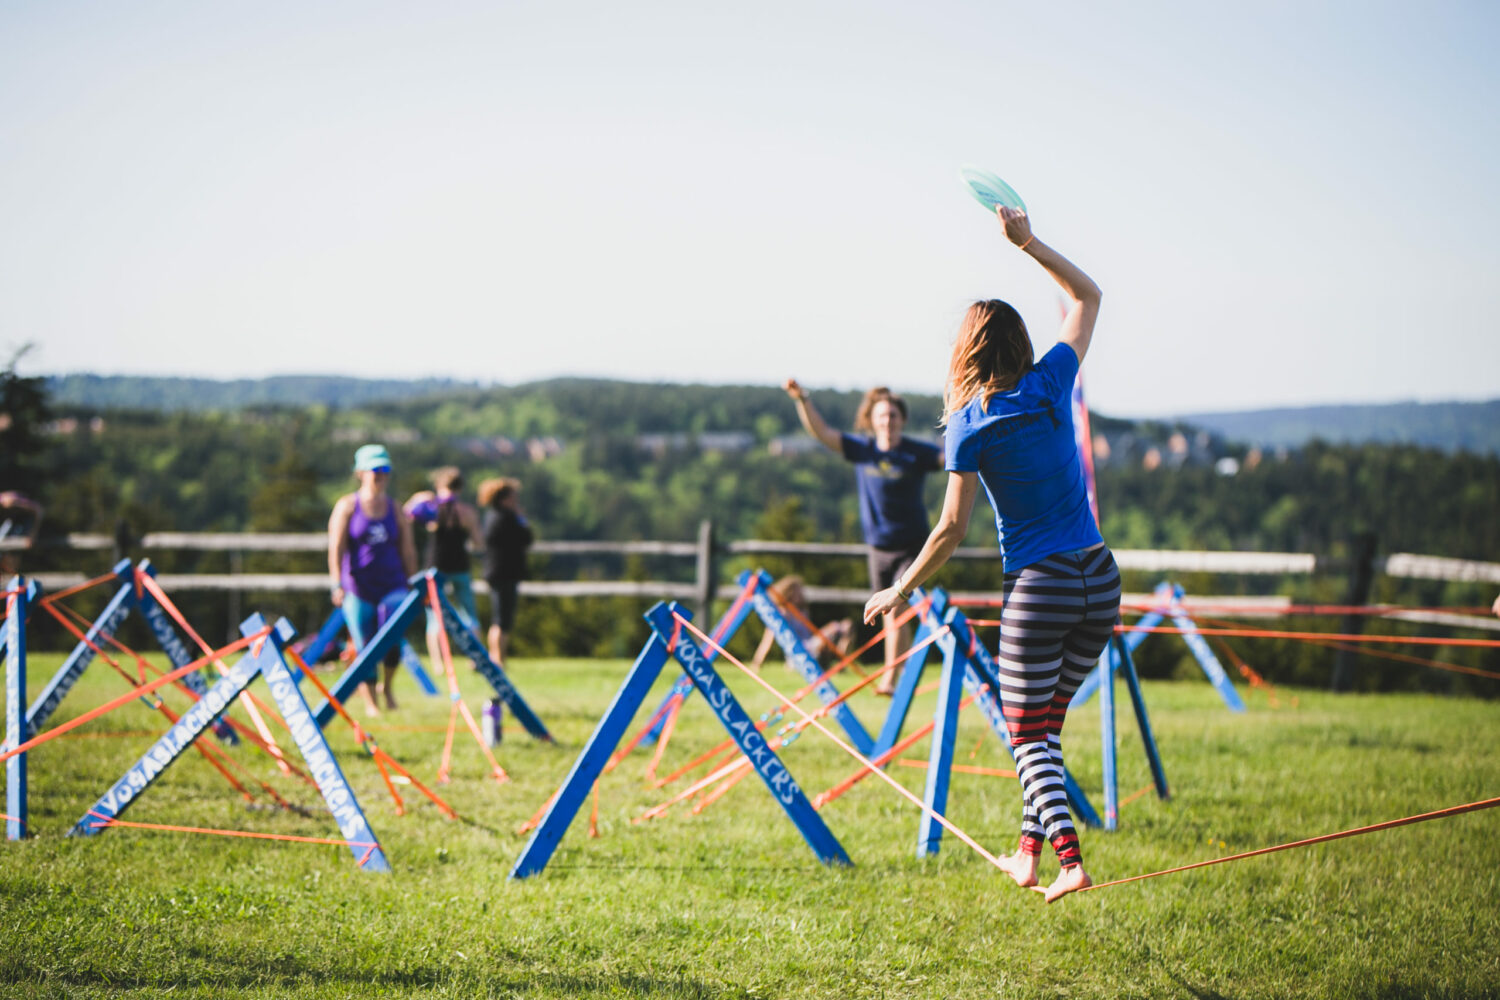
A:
[989,772]
[664,739]
[75,589]
[366,740]
[12,819]
[1135,795]
[1388,825]
[369,845]
[1256,633]
[672,704]
[148,582]
[1389,655]
[209,752]
[820,712]
[125,699]
[824,798]
[796,612]
[926,809]
[594,814]
[496,771]
[144,665]
[537,817]
[85,640]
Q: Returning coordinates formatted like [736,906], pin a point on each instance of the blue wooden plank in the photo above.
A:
[806,665]
[1107,738]
[911,672]
[368,659]
[333,627]
[17,607]
[469,645]
[724,631]
[107,624]
[413,664]
[172,743]
[940,756]
[1138,700]
[308,737]
[784,789]
[1209,662]
[590,763]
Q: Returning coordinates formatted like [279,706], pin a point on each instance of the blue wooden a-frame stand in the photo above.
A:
[758,583]
[334,627]
[667,640]
[364,666]
[966,665]
[17,606]
[130,596]
[1168,607]
[266,661]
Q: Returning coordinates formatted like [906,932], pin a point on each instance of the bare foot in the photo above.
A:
[1068,880]
[371,711]
[1021,867]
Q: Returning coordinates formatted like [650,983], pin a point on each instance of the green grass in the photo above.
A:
[732,903]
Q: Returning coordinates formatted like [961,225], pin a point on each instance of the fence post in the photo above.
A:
[1361,576]
[706,576]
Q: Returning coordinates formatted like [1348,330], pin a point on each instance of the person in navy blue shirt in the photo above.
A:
[890,469]
[1010,427]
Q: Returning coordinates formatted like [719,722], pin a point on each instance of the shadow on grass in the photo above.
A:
[290,976]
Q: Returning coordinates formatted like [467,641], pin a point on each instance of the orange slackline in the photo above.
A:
[76,589]
[1256,633]
[382,759]
[991,772]
[1389,824]
[824,798]
[13,819]
[144,665]
[147,581]
[742,763]
[728,746]
[671,704]
[368,845]
[1135,795]
[1403,657]
[459,707]
[146,688]
[939,817]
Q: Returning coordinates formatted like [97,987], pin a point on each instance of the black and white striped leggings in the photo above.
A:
[1058,617]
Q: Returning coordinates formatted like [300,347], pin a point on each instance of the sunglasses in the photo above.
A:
[382,470]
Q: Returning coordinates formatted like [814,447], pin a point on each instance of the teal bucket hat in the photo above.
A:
[370,457]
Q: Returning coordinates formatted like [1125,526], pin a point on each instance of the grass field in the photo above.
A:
[732,904]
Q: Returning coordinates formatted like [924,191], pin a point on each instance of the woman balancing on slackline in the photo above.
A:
[891,470]
[1010,426]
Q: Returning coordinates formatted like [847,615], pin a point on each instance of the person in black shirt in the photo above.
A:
[452,531]
[507,536]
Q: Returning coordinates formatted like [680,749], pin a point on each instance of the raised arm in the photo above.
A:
[338,541]
[1078,325]
[953,524]
[812,419]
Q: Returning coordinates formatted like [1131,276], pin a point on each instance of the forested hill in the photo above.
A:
[135,392]
[1471,427]
[1452,427]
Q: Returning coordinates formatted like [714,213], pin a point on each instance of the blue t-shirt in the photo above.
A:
[890,489]
[1023,448]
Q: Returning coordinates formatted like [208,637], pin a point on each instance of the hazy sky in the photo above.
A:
[1284,203]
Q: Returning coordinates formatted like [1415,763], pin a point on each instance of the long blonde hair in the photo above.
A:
[993,351]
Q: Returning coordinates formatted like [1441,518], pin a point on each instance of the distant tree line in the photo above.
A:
[279,468]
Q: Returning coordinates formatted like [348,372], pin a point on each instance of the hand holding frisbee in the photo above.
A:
[989,190]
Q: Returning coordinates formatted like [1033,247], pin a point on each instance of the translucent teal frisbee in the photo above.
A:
[989,190]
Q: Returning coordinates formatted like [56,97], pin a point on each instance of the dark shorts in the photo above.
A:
[887,565]
[503,603]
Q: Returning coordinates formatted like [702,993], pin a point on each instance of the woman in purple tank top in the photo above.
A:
[370,557]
